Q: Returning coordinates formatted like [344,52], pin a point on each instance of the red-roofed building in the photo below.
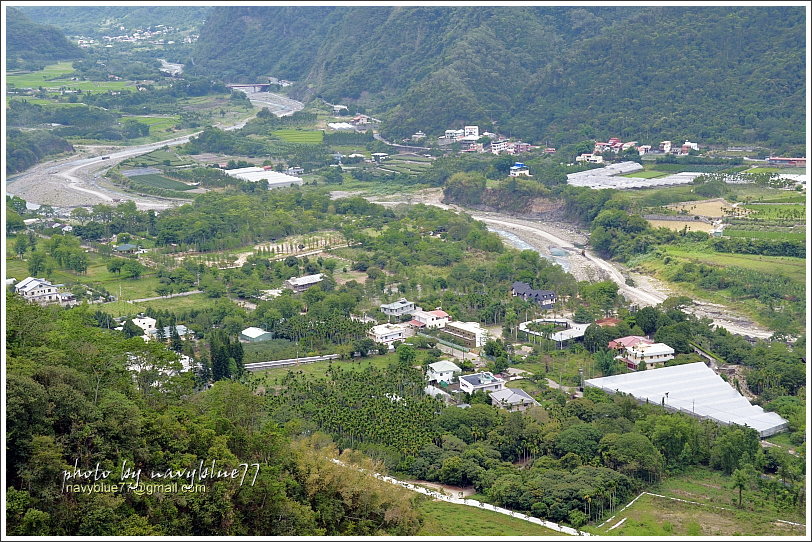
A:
[434,319]
[628,342]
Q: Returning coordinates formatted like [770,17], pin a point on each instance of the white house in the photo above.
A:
[590,158]
[481,382]
[300,284]
[42,292]
[442,371]
[471,333]
[398,308]
[145,322]
[665,146]
[471,131]
[512,399]
[430,319]
[654,354]
[454,135]
[389,333]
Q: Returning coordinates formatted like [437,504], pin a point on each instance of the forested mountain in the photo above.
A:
[28,41]
[721,74]
[96,20]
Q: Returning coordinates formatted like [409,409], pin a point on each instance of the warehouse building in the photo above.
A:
[696,390]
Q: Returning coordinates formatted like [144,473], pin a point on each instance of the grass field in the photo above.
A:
[54,75]
[771,235]
[716,513]
[159,127]
[159,181]
[300,136]
[647,174]
[678,225]
[677,168]
[656,516]
[785,170]
[97,275]
[172,304]
[793,268]
[318,368]
[446,519]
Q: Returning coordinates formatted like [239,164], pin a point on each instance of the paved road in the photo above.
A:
[469,502]
[78,175]
[634,294]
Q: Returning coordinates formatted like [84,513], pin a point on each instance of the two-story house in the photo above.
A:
[481,382]
[442,371]
[399,308]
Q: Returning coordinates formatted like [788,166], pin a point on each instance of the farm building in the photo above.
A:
[255,335]
[254,174]
[300,284]
[696,390]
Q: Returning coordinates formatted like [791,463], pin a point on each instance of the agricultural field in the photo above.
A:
[678,225]
[313,137]
[776,211]
[712,511]
[784,170]
[159,181]
[157,158]
[405,165]
[55,75]
[447,519]
[712,208]
[771,235]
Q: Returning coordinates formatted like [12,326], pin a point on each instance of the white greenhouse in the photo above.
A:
[696,390]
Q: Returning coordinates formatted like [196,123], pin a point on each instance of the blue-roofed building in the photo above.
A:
[518,169]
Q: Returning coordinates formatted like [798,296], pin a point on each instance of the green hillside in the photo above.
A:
[27,41]
[722,74]
[96,20]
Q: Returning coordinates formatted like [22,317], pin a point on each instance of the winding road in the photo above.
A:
[75,182]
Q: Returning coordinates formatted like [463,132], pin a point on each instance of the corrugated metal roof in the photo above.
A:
[694,389]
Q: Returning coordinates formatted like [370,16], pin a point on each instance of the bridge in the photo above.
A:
[250,87]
